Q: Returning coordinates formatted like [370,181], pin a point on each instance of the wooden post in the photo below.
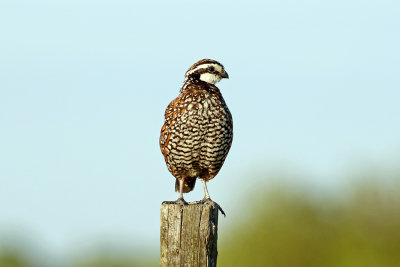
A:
[188,235]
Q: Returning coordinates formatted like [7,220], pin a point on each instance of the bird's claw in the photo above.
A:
[208,201]
[204,201]
[179,201]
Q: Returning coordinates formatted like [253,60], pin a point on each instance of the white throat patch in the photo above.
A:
[210,78]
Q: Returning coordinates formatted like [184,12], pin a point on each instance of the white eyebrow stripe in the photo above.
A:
[204,66]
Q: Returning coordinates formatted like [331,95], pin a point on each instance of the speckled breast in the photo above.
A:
[197,133]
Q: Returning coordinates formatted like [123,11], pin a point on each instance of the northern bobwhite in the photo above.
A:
[197,133]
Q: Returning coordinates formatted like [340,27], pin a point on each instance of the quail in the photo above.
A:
[198,130]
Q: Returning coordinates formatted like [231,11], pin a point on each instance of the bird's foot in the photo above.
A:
[208,201]
[179,201]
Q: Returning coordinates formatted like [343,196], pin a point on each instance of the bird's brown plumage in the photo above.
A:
[197,133]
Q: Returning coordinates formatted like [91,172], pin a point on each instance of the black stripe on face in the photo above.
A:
[204,61]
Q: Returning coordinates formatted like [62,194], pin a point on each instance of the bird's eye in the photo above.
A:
[211,68]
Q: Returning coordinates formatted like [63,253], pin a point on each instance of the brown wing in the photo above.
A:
[165,136]
[173,111]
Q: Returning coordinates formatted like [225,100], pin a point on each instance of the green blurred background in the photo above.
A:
[280,224]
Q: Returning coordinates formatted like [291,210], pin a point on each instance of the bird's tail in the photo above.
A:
[188,185]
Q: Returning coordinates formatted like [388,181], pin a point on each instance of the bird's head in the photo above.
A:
[207,70]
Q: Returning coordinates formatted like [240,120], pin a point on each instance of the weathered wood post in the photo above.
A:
[188,235]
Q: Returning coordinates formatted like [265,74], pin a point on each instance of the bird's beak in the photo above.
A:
[225,75]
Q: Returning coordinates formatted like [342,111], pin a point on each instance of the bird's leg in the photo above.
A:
[207,199]
[206,195]
[180,200]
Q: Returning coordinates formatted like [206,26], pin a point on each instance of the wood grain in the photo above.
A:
[188,235]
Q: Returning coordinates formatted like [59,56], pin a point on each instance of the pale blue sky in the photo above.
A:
[314,85]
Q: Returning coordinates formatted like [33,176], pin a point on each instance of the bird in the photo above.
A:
[198,130]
